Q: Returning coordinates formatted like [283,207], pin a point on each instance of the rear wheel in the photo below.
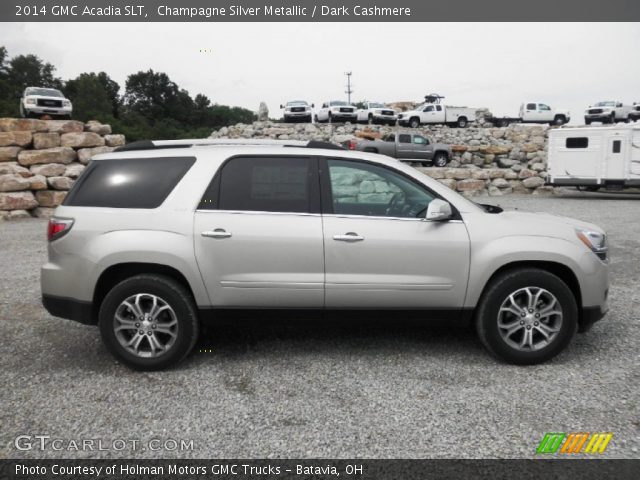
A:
[559,120]
[440,159]
[149,322]
[527,316]
[462,122]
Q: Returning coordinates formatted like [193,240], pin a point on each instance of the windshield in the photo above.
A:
[297,103]
[45,92]
[376,105]
[605,104]
[338,103]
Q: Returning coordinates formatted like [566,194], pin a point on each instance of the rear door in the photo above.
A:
[615,158]
[258,234]
[422,148]
[379,250]
[404,146]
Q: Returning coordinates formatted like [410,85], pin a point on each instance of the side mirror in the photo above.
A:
[281,106]
[438,211]
[313,105]
[619,105]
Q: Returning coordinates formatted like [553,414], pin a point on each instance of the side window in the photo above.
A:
[128,183]
[577,142]
[531,106]
[264,184]
[544,107]
[439,108]
[418,140]
[429,108]
[617,146]
[359,188]
[404,138]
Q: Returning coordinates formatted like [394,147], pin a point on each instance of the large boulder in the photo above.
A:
[17,201]
[49,169]
[65,126]
[60,183]
[11,182]
[81,140]
[74,170]
[50,198]
[49,155]
[18,139]
[38,182]
[533,182]
[114,140]
[85,154]
[22,124]
[470,185]
[9,154]
[96,127]
[42,141]
[263,112]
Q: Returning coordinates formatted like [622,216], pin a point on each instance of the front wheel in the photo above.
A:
[414,122]
[148,322]
[527,316]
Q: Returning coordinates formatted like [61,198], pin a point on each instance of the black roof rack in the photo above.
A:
[324,145]
[149,145]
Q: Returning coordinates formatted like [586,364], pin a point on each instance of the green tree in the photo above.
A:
[93,96]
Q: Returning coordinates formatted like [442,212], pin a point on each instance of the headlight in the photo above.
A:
[30,101]
[594,241]
[66,103]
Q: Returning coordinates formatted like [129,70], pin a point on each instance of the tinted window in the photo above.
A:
[544,107]
[266,184]
[438,108]
[617,145]
[359,188]
[577,142]
[429,108]
[128,183]
[404,138]
[417,139]
[531,106]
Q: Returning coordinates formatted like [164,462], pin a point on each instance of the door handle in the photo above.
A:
[348,237]
[217,233]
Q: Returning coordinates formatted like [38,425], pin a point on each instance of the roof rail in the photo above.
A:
[158,144]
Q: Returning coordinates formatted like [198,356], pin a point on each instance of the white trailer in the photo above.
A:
[595,157]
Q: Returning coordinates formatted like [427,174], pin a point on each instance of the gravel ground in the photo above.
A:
[312,390]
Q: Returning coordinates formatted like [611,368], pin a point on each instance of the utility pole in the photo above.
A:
[348,91]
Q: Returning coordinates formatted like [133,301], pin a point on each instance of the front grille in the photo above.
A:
[595,110]
[297,109]
[346,110]
[387,112]
[43,102]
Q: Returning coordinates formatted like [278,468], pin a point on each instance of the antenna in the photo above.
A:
[348,91]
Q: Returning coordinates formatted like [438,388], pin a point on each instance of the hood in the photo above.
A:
[545,224]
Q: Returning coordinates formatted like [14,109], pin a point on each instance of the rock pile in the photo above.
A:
[40,160]
[486,160]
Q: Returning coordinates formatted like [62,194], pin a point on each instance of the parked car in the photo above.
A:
[433,112]
[407,146]
[607,112]
[222,226]
[595,157]
[37,101]
[534,112]
[337,111]
[297,110]
[634,114]
[374,112]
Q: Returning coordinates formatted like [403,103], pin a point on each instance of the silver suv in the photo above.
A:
[156,237]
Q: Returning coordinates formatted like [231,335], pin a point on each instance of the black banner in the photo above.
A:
[319,11]
[319,469]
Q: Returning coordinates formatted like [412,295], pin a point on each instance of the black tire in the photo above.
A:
[440,159]
[370,120]
[414,122]
[499,290]
[173,294]
[308,119]
[392,124]
[462,122]
[612,120]
[329,118]
[587,122]
[559,120]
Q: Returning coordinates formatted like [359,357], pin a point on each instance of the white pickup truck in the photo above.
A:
[534,112]
[375,112]
[432,111]
[609,111]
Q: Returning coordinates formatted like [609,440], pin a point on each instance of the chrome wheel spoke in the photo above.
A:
[527,339]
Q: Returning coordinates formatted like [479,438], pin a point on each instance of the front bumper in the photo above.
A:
[347,117]
[297,114]
[589,316]
[598,117]
[48,110]
[384,118]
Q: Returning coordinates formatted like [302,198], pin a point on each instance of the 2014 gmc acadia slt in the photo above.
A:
[159,235]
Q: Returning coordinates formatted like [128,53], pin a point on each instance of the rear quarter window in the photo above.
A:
[128,183]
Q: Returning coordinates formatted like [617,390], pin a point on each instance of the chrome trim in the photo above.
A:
[255,212]
[328,215]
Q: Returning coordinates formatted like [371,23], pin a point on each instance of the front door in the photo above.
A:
[379,250]
[615,158]
[258,234]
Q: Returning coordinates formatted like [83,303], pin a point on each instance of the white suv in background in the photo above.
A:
[224,226]
[337,111]
[297,111]
[36,101]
